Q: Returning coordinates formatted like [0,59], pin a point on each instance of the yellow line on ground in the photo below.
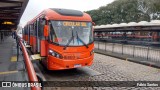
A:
[8,72]
[13,58]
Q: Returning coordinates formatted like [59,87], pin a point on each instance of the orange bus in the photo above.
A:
[64,37]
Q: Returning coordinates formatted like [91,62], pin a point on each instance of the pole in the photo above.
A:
[17,47]
[105,45]
[133,50]
[147,52]
[112,47]
[122,49]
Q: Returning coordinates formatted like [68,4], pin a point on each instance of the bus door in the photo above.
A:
[37,37]
[41,39]
[34,38]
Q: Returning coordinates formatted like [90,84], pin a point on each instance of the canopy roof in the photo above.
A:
[131,26]
[11,12]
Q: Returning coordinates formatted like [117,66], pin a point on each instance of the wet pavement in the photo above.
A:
[110,69]
[10,68]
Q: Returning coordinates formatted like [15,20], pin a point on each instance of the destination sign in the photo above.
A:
[66,23]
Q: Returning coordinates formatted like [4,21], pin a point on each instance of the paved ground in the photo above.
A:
[10,70]
[113,69]
[6,49]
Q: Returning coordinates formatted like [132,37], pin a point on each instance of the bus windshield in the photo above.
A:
[71,33]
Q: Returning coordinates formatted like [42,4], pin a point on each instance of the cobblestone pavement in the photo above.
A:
[113,69]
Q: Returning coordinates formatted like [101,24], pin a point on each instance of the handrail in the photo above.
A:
[30,70]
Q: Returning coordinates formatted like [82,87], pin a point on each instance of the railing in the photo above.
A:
[148,53]
[30,69]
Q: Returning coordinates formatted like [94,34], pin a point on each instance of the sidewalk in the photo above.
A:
[6,49]
[129,58]
[10,68]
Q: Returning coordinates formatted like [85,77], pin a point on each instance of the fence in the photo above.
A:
[147,53]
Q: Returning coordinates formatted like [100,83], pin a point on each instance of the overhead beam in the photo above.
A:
[10,11]
[3,4]
[10,7]
[1,17]
[11,15]
[11,1]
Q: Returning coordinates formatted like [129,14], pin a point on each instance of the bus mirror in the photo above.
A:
[46,31]
[93,24]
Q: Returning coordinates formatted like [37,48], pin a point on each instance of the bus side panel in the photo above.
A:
[23,37]
[43,48]
[31,40]
[34,45]
[24,34]
[26,38]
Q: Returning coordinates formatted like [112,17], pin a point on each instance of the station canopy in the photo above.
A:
[131,26]
[11,12]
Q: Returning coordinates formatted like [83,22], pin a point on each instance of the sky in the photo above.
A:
[34,7]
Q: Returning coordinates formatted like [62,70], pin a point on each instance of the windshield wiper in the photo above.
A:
[81,40]
[72,38]
[68,42]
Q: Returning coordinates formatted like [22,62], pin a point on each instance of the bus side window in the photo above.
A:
[31,29]
[41,24]
[34,29]
[52,34]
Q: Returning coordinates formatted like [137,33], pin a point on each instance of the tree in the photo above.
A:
[126,11]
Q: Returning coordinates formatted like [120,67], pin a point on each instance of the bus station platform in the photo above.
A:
[11,69]
[139,54]
[130,58]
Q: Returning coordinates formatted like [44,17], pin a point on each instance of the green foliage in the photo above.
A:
[124,11]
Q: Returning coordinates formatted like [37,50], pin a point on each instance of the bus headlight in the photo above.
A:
[92,52]
[51,52]
[55,54]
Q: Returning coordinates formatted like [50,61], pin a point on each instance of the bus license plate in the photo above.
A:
[77,65]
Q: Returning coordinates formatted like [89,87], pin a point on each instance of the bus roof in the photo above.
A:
[63,14]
